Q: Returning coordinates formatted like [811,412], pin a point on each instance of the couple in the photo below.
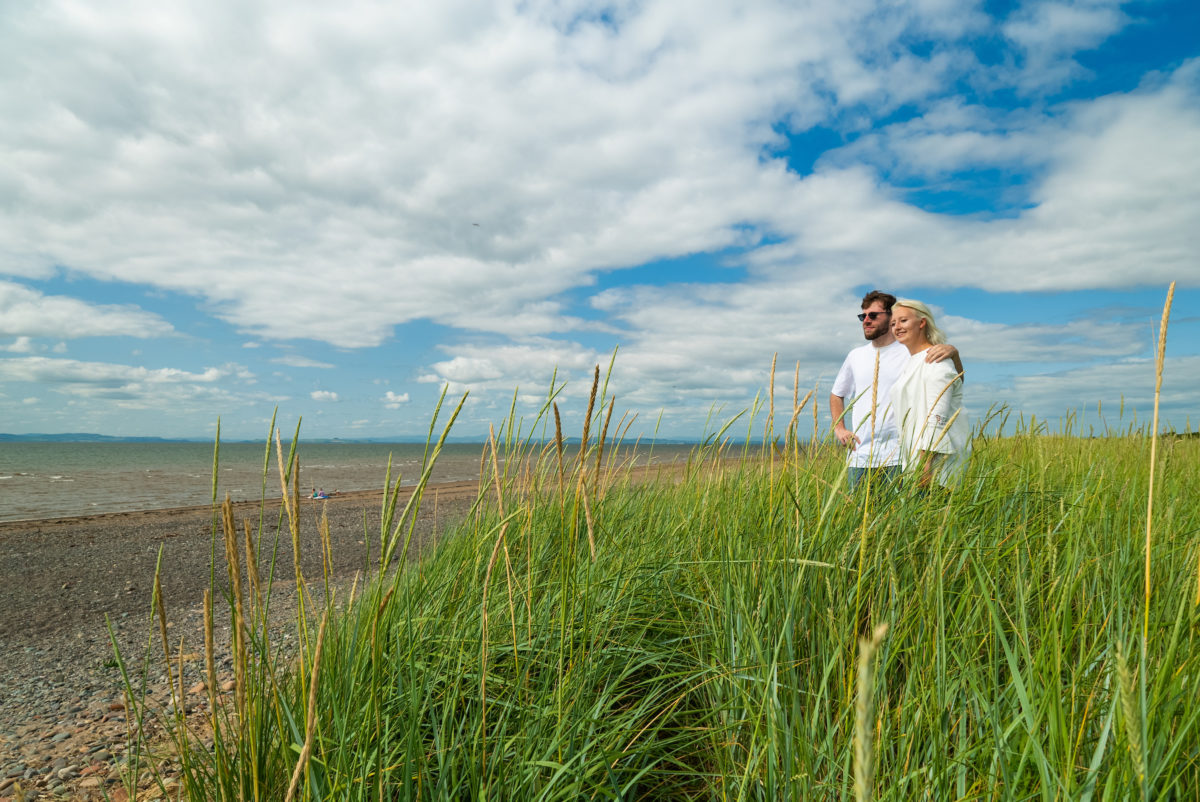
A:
[919,423]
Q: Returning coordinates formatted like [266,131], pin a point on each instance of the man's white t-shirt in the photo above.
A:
[853,383]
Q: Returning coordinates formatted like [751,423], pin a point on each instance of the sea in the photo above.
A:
[41,480]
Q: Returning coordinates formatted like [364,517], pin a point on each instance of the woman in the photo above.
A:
[927,400]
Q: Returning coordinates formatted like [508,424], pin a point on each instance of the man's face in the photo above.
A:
[876,322]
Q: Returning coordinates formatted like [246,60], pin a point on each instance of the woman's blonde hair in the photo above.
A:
[932,332]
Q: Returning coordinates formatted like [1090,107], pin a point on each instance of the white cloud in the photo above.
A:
[395,401]
[28,313]
[688,349]
[1071,342]
[392,165]
[29,401]
[1105,389]
[952,136]
[323,395]
[1064,27]
[297,361]
[22,345]
[1051,31]
[504,367]
[1114,209]
[126,386]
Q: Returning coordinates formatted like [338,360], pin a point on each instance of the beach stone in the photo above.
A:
[6,782]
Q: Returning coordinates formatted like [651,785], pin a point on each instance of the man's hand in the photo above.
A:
[937,353]
[837,408]
[846,437]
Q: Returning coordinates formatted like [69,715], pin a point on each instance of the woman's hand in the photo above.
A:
[926,479]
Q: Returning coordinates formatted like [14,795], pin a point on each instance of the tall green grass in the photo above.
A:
[717,632]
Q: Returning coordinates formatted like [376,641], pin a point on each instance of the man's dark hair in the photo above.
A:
[885,298]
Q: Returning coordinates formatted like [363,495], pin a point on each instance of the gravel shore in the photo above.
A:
[62,712]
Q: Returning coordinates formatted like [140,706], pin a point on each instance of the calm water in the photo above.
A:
[50,480]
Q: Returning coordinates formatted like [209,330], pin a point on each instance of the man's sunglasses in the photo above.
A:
[864,315]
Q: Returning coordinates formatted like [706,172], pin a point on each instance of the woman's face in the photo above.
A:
[907,326]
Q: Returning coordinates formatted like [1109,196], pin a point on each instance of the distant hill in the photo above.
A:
[83,437]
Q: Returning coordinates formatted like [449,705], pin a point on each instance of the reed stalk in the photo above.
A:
[1159,360]
[161,612]
[864,716]
[310,724]
[210,663]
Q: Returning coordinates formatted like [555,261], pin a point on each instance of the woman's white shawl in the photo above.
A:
[928,403]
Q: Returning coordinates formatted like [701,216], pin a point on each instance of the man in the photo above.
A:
[873,437]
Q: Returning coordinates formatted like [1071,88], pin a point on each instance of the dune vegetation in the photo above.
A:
[739,627]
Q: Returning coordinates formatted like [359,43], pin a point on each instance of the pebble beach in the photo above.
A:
[65,583]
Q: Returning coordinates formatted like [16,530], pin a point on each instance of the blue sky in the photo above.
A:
[213,209]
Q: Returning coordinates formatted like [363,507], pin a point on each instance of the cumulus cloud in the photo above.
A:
[1075,341]
[126,386]
[504,367]
[25,313]
[952,136]
[22,345]
[1101,391]
[1049,32]
[1111,210]
[323,395]
[394,169]
[395,400]
[298,361]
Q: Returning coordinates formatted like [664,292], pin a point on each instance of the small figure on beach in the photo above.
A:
[863,389]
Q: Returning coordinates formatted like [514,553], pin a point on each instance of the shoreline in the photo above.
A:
[66,583]
[6,526]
